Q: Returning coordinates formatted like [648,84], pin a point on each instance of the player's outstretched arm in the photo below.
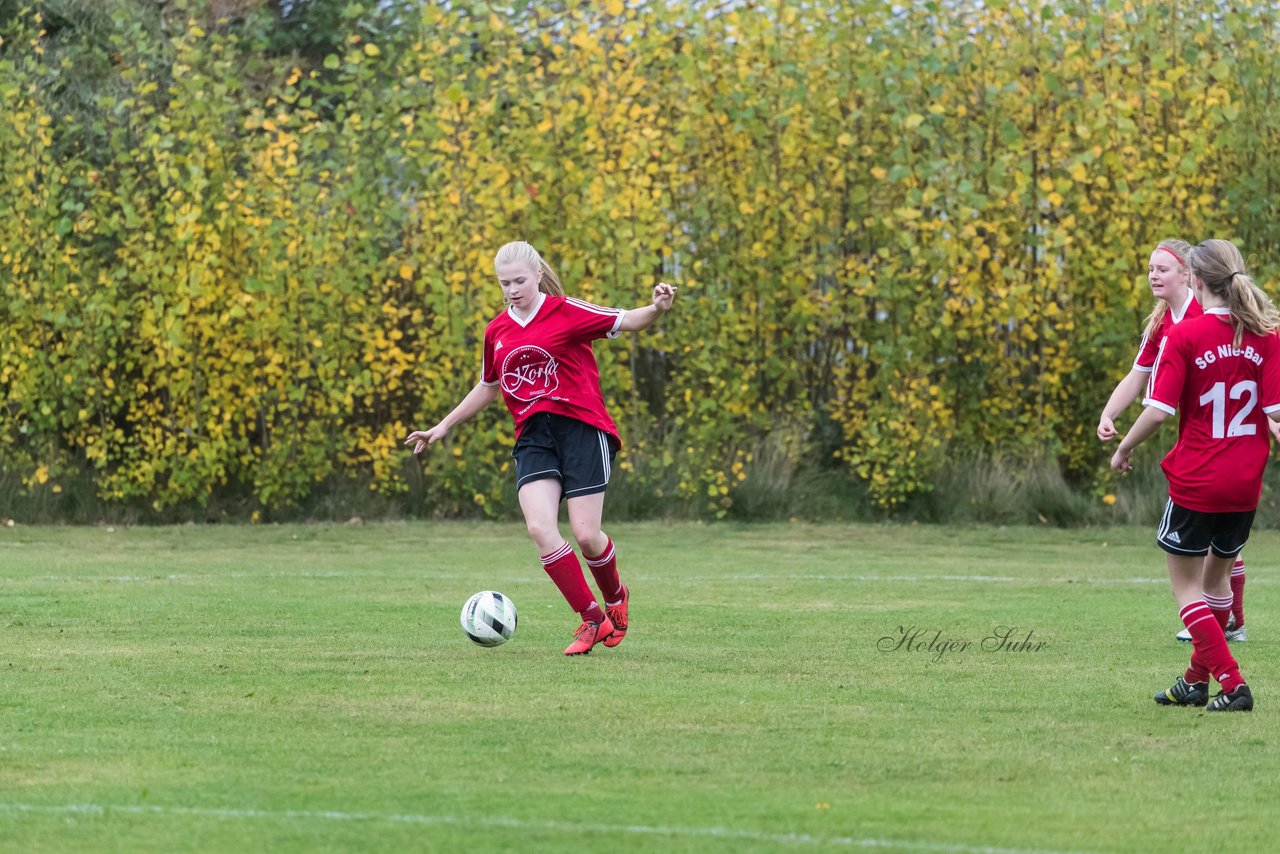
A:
[1126,392]
[664,296]
[478,398]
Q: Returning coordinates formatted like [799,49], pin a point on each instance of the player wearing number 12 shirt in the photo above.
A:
[1169,278]
[1223,390]
[1221,373]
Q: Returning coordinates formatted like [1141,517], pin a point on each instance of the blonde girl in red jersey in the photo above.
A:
[1221,374]
[1169,277]
[1170,280]
[537,357]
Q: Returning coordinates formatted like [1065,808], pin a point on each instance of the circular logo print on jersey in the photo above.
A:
[529,373]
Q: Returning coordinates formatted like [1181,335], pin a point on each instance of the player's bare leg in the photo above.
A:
[540,503]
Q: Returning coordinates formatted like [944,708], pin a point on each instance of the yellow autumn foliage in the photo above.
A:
[920,229]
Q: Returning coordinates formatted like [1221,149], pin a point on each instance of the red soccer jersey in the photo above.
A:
[1150,345]
[1223,393]
[544,363]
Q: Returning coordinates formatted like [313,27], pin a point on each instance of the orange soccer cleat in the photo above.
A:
[618,616]
[588,635]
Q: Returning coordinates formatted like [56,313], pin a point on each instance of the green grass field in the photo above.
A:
[308,688]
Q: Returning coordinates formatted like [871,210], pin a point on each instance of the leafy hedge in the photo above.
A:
[234,263]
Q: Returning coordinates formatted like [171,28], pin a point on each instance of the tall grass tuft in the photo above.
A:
[780,482]
[995,488]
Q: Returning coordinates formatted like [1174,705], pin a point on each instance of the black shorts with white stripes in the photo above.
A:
[573,452]
[1191,532]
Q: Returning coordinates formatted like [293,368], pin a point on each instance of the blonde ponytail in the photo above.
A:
[1221,267]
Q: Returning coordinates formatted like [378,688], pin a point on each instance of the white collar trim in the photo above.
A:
[1221,309]
[525,321]
[1177,315]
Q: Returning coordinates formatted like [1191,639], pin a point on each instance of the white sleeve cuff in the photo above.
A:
[614,333]
[1163,407]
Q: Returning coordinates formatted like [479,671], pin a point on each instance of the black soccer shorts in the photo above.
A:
[573,452]
[1191,532]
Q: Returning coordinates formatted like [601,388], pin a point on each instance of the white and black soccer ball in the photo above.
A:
[489,618]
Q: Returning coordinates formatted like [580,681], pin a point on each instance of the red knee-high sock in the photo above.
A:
[605,569]
[563,567]
[1237,592]
[1220,607]
[1210,646]
[1197,671]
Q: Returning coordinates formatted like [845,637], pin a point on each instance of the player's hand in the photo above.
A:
[664,296]
[1274,427]
[1106,429]
[1120,461]
[422,438]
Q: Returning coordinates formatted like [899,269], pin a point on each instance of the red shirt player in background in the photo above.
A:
[1169,277]
[1221,372]
[537,355]
[1170,280]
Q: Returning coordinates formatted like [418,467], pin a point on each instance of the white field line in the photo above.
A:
[682,579]
[980,579]
[575,828]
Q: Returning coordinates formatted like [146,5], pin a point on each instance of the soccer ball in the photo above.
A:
[489,618]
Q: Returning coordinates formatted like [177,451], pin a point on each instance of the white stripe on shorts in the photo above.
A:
[604,460]
[525,479]
[1163,527]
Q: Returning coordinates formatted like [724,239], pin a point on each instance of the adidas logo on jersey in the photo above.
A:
[498,346]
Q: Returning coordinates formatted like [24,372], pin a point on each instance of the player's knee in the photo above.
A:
[542,532]
[588,536]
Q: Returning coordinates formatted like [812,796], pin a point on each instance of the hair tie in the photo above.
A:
[1171,252]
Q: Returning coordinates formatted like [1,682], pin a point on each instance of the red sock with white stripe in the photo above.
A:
[1220,606]
[1210,646]
[1237,592]
[605,569]
[563,567]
